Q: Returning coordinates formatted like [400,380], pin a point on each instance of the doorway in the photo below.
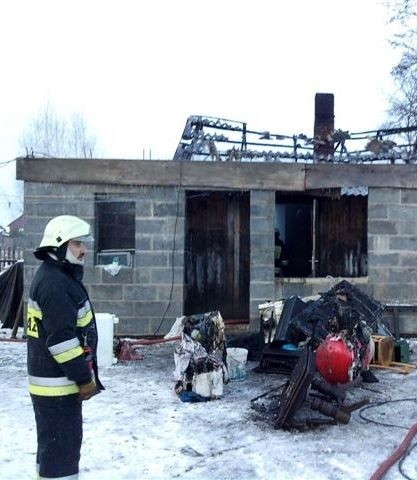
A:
[217,254]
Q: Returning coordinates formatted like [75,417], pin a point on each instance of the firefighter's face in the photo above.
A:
[78,249]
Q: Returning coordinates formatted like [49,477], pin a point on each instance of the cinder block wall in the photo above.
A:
[146,298]
[262,239]
[392,244]
[150,296]
[392,250]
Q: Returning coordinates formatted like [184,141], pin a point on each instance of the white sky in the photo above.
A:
[136,70]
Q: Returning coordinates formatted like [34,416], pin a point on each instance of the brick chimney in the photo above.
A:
[324,124]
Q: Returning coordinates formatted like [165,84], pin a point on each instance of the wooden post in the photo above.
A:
[17,318]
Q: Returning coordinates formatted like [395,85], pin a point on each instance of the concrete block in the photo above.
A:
[377,212]
[382,227]
[140,292]
[402,213]
[151,259]
[378,196]
[403,243]
[106,292]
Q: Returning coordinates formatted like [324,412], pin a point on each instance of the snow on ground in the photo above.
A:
[139,429]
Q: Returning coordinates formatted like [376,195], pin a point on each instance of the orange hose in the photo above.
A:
[398,453]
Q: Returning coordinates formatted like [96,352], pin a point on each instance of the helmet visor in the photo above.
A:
[84,238]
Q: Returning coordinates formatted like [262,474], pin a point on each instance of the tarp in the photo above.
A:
[11,291]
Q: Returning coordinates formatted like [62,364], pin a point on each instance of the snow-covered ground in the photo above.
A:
[139,429]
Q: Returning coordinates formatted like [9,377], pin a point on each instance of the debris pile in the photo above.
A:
[343,313]
[325,345]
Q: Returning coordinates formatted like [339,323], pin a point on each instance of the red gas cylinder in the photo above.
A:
[334,359]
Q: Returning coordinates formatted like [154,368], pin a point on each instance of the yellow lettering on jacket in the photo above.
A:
[32,327]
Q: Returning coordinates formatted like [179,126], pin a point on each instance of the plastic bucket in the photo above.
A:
[236,363]
[105,331]
[209,384]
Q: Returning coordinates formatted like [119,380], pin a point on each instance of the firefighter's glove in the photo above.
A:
[87,390]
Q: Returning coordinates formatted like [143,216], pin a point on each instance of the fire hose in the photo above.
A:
[396,455]
[12,339]
[152,341]
[125,349]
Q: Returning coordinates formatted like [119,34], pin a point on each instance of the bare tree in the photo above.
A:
[403,103]
[79,141]
[403,17]
[54,136]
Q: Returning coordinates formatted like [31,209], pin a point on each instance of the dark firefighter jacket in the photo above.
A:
[60,322]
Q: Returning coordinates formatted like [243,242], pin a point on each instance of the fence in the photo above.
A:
[9,256]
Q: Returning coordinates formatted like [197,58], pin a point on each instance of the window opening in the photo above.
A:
[321,234]
[115,231]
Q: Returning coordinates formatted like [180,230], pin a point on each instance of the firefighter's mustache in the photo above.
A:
[73,259]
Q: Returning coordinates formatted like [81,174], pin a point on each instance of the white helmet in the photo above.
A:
[63,228]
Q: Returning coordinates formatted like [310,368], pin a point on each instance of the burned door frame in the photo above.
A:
[216,260]
[325,233]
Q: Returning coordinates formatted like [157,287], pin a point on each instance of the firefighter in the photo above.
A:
[280,254]
[62,342]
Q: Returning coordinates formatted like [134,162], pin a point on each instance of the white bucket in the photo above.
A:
[209,384]
[236,363]
[105,331]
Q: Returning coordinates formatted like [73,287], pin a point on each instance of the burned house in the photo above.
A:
[200,233]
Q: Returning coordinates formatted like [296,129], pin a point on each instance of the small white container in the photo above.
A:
[209,384]
[236,363]
[105,331]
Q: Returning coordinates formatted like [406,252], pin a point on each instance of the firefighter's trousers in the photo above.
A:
[59,434]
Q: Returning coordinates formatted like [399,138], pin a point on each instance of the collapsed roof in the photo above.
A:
[218,139]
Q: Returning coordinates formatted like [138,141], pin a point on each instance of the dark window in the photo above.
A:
[115,226]
[321,234]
